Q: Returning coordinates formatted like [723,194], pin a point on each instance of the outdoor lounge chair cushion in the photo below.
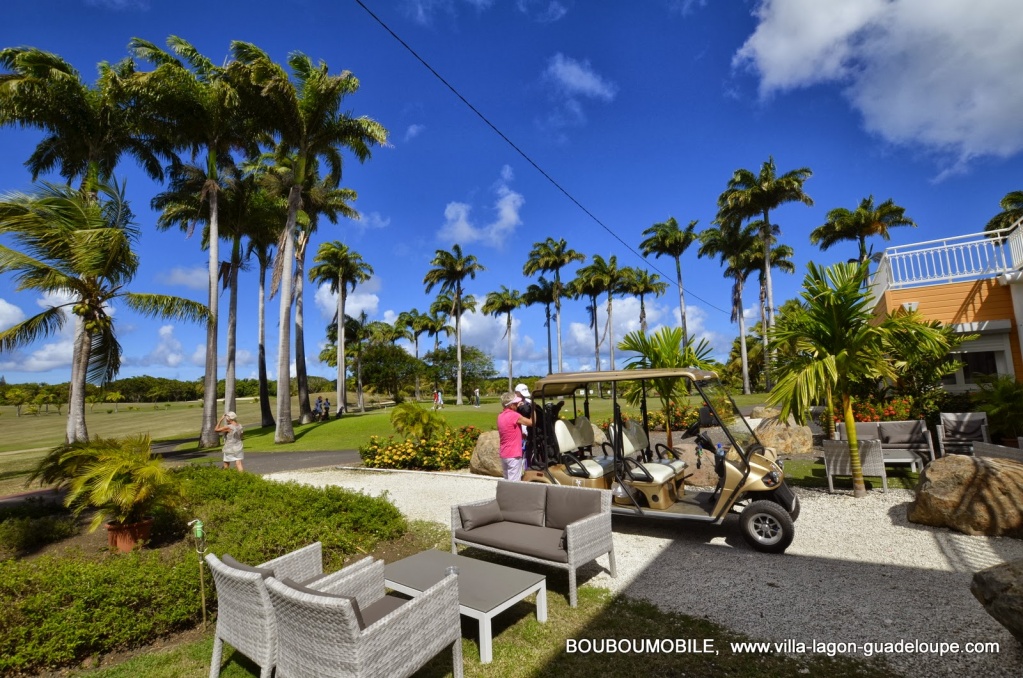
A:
[323,594]
[480,514]
[905,434]
[963,429]
[231,562]
[522,502]
[566,505]
[546,543]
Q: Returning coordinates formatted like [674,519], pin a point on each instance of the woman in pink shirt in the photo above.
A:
[508,427]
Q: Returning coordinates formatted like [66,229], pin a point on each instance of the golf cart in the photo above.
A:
[649,481]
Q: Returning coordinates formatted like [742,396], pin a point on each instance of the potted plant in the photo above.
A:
[123,483]
[1001,397]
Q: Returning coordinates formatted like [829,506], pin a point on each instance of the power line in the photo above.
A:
[522,153]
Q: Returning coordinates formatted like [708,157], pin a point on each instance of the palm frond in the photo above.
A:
[44,324]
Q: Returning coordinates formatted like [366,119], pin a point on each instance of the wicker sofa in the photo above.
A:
[902,442]
[564,527]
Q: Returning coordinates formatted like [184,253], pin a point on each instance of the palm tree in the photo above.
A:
[1012,211]
[78,244]
[542,292]
[665,350]
[640,283]
[552,255]
[416,324]
[263,232]
[450,269]
[668,239]
[200,105]
[734,245]
[587,284]
[87,128]
[753,262]
[343,268]
[504,301]
[750,195]
[839,345]
[305,115]
[857,225]
[612,279]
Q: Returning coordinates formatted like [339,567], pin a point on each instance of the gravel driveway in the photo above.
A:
[857,572]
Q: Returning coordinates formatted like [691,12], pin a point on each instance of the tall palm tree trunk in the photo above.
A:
[510,372]
[557,309]
[301,374]
[550,353]
[342,387]
[743,353]
[285,432]
[458,344]
[859,487]
[681,302]
[76,431]
[611,332]
[770,298]
[416,341]
[642,314]
[266,414]
[230,369]
[207,436]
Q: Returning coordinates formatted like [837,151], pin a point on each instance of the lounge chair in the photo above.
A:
[957,431]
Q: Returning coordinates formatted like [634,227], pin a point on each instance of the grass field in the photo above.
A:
[25,439]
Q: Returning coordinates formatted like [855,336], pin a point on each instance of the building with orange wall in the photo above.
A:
[973,283]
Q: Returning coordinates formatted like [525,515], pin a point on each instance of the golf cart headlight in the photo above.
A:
[772,479]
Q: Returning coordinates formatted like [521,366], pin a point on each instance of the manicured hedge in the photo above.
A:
[61,610]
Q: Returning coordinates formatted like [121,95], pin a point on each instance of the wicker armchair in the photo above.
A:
[323,635]
[957,431]
[245,618]
[838,463]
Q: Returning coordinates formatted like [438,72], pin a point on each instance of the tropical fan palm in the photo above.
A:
[505,301]
[866,221]
[415,422]
[78,246]
[838,345]
[121,480]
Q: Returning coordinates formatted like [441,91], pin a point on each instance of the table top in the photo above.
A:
[482,586]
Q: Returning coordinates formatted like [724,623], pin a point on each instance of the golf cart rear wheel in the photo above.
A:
[767,526]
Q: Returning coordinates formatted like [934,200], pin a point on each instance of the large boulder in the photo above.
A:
[785,437]
[1000,590]
[975,495]
[486,458]
[764,412]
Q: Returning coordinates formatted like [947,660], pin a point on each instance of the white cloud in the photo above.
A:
[371,221]
[578,79]
[167,352]
[413,131]
[364,298]
[195,278]
[570,83]
[10,314]
[459,228]
[423,11]
[542,11]
[939,73]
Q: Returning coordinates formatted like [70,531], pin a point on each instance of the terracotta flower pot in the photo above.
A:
[124,537]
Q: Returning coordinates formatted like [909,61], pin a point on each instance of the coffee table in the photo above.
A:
[484,589]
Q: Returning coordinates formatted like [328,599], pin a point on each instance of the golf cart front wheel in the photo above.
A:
[767,526]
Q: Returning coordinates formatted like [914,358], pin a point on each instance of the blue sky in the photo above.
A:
[639,110]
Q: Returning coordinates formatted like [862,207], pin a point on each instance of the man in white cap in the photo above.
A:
[525,408]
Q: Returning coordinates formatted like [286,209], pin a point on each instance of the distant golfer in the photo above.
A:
[232,431]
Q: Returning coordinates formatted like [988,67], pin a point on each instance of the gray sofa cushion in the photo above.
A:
[964,429]
[903,432]
[522,502]
[323,594]
[478,516]
[566,505]
[231,562]
[527,540]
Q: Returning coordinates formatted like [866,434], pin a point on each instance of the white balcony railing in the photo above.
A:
[965,257]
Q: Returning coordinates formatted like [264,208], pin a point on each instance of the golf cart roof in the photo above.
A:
[566,383]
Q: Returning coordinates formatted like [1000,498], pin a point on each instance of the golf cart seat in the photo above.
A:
[636,443]
[582,433]
[572,454]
